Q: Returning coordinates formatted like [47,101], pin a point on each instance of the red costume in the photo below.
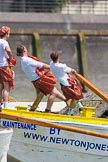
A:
[6,75]
[46,82]
[74,91]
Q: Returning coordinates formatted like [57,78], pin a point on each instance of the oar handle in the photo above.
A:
[91,86]
[37,101]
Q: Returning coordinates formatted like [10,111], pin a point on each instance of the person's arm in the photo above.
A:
[38,64]
[46,66]
[68,69]
[9,52]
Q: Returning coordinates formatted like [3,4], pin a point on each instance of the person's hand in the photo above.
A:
[11,62]
[73,71]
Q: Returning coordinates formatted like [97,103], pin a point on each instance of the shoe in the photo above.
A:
[80,109]
[30,109]
[47,111]
[80,106]
[70,111]
[55,112]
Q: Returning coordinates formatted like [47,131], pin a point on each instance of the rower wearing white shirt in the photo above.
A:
[70,86]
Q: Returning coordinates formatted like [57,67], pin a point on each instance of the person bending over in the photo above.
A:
[70,86]
[39,74]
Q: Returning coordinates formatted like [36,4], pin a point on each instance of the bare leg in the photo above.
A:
[50,101]
[68,102]
[55,93]
[58,94]
[71,108]
[6,93]
[73,104]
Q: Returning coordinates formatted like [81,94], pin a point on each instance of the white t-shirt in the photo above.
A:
[60,71]
[29,66]
[3,53]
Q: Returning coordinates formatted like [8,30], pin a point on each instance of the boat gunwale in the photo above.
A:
[58,117]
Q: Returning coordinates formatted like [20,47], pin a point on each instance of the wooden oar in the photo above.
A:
[52,125]
[91,86]
[37,101]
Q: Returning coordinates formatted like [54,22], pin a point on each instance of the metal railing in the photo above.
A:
[56,6]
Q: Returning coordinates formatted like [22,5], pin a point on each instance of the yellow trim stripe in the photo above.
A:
[57,117]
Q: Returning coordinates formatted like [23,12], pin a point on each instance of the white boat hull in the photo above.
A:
[43,144]
[33,143]
[5,139]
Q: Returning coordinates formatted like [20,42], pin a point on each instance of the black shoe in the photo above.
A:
[47,111]
[30,109]
[80,109]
